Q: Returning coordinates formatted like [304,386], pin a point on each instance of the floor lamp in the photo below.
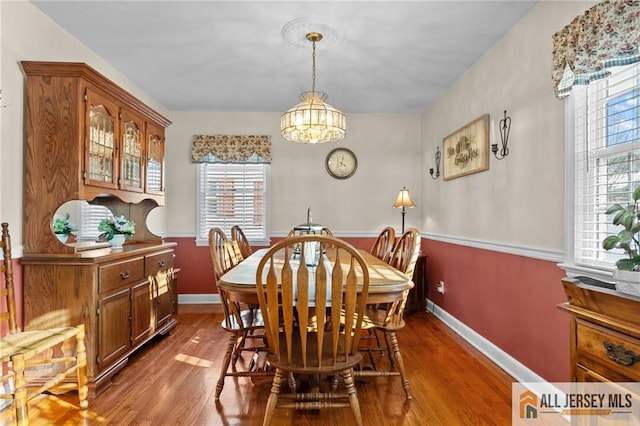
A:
[404,200]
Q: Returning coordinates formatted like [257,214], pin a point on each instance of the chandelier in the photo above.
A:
[313,120]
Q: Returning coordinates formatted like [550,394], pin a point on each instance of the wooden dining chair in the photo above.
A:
[313,318]
[383,245]
[405,252]
[240,242]
[297,232]
[382,249]
[326,231]
[242,321]
[222,253]
[23,351]
[387,318]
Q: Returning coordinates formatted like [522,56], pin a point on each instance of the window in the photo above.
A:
[85,217]
[232,194]
[90,217]
[605,128]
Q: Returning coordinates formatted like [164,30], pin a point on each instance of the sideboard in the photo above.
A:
[123,298]
[604,333]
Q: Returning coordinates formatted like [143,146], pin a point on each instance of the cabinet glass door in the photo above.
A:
[132,155]
[155,161]
[101,143]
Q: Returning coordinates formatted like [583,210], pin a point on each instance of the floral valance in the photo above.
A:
[231,149]
[607,35]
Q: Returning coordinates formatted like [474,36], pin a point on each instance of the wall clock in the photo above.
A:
[341,163]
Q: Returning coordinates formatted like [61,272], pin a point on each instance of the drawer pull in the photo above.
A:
[620,355]
[125,274]
[161,263]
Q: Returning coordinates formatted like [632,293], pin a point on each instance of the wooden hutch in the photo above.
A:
[88,139]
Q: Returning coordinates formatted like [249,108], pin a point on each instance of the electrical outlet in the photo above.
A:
[440,287]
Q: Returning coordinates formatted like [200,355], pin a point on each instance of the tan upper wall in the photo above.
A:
[388,152]
[520,199]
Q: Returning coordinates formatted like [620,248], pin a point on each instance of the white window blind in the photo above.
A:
[154,175]
[607,159]
[232,194]
[90,217]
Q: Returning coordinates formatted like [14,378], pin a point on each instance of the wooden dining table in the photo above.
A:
[386,284]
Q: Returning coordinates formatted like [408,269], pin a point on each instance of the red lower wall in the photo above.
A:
[510,300]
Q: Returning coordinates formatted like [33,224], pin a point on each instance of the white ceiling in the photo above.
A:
[389,57]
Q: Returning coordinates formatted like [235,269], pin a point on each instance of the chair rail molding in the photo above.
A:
[532,252]
[518,250]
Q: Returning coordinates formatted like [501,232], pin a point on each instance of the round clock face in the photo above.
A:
[341,163]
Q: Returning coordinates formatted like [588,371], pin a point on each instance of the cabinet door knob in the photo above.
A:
[125,274]
[620,355]
[161,263]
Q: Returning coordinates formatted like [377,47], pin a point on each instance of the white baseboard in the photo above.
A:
[512,366]
[505,361]
[198,299]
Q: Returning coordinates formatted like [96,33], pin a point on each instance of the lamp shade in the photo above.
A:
[404,199]
[313,121]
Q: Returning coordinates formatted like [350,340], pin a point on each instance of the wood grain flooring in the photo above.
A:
[172,382]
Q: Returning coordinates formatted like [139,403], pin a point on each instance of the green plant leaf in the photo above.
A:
[626,246]
[627,220]
[625,264]
[619,218]
[614,208]
[610,242]
[627,239]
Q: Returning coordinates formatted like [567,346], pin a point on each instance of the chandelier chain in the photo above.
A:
[313,68]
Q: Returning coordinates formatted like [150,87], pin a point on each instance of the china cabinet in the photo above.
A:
[88,139]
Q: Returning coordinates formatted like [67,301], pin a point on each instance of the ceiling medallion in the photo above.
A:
[295,32]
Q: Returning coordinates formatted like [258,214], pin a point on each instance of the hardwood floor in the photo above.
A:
[172,382]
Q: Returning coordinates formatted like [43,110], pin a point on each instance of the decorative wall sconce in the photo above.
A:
[505,127]
[437,172]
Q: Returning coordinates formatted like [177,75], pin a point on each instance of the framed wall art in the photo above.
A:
[466,150]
